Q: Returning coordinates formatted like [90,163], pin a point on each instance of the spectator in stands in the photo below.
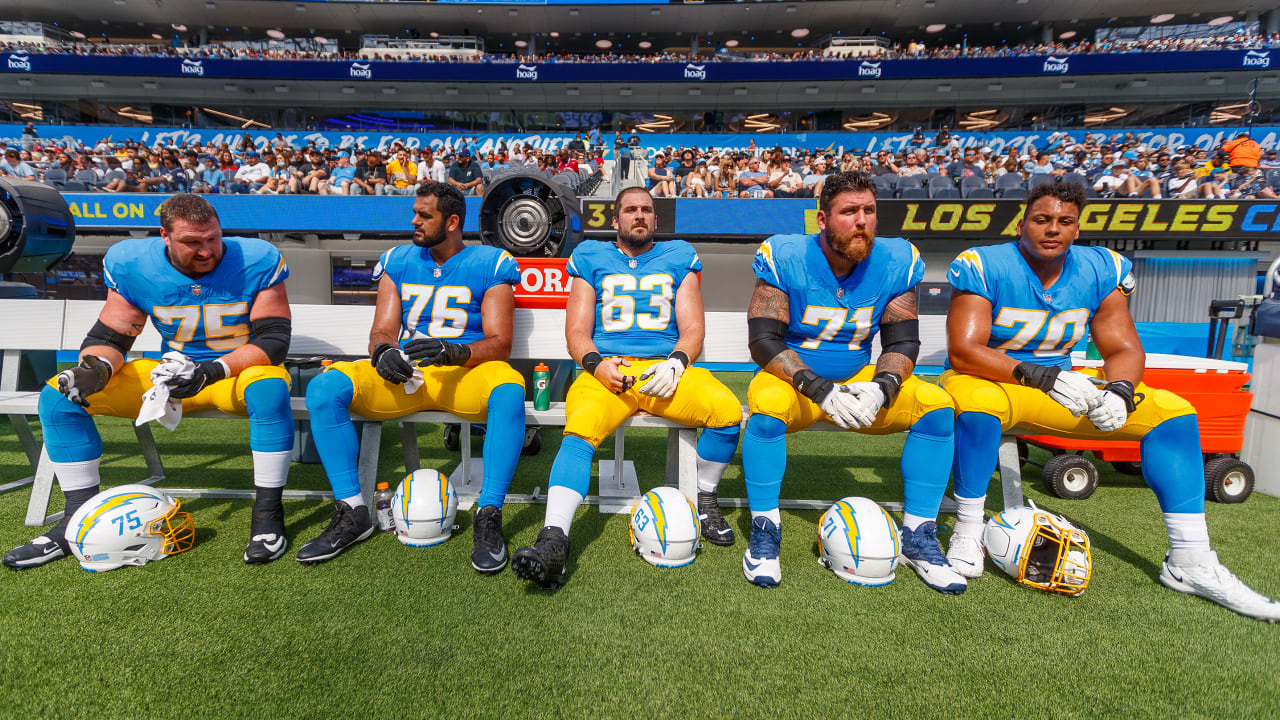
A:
[683,169]
[465,175]
[14,167]
[227,164]
[1042,166]
[1251,184]
[790,184]
[968,166]
[812,183]
[1163,169]
[369,176]
[342,176]
[597,142]
[307,177]
[753,183]
[1269,161]
[251,176]
[726,178]
[1243,152]
[282,171]
[29,136]
[662,180]
[884,164]
[169,178]
[943,138]
[696,182]
[939,164]
[402,175]
[1185,184]
[917,140]
[491,164]
[208,177]
[430,169]
[911,166]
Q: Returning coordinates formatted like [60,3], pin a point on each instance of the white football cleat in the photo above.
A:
[964,552]
[1200,573]
[921,552]
[760,562]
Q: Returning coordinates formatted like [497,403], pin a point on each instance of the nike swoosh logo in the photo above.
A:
[751,566]
[272,545]
[498,556]
[1175,576]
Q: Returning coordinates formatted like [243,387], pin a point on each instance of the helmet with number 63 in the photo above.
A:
[1040,549]
[859,542]
[128,525]
[664,528]
[423,508]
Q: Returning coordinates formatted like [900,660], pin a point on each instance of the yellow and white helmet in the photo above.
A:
[664,528]
[128,525]
[859,542]
[1040,549]
[423,508]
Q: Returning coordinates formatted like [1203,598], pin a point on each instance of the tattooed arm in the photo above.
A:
[899,309]
[771,303]
[121,316]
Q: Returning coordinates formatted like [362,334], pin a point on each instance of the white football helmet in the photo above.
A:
[1040,549]
[423,508]
[128,525]
[859,542]
[664,528]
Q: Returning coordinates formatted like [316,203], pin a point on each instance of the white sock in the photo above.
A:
[969,510]
[270,469]
[355,501]
[913,522]
[77,475]
[562,503]
[1187,532]
[709,474]
[775,515]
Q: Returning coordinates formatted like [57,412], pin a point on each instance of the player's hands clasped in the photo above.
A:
[1110,414]
[1072,390]
[663,378]
[869,398]
[85,379]
[392,364]
[425,350]
[843,407]
[609,375]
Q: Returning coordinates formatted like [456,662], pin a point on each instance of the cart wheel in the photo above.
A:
[452,441]
[1070,476]
[532,443]
[1227,480]
[1024,452]
[1127,467]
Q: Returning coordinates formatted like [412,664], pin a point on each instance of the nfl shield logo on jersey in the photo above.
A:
[197,290]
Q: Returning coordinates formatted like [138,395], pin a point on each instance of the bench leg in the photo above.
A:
[682,461]
[41,488]
[409,446]
[370,445]
[468,477]
[147,443]
[1010,472]
[27,439]
[619,486]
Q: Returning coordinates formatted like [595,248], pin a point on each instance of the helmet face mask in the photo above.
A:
[423,508]
[1040,549]
[128,525]
[664,528]
[859,542]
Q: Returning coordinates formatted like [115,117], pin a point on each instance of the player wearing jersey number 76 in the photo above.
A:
[818,302]
[1017,310]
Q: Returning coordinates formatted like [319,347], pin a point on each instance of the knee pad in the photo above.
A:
[776,400]
[330,389]
[936,423]
[766,427]
[69,432]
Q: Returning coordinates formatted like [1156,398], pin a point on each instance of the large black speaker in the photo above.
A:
[37,228]
[528,214]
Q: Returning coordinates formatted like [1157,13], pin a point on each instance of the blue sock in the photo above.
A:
[977,440]
[572,466]
[328,399]
[270,416]
[1173,466]
[69,432]
[764,461]
[717,444]
[503,441]
[930,443]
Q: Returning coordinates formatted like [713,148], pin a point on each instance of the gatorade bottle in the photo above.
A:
[382,508]
[541,387]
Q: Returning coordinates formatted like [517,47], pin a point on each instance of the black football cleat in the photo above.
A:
[543,563]
[489,553]
[40,551]
[715,529]
[347,527]
[266,537]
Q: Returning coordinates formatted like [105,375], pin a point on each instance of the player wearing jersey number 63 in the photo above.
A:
[818,302]
[1017,310]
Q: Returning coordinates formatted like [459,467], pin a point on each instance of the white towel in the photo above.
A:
[156,403]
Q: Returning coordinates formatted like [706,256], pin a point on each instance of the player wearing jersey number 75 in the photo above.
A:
[1017,310]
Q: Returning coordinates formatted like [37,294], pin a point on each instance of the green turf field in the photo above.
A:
[391,631]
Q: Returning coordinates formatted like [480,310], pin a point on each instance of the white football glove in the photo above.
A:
[1076,392]
[1110,414]
[663,378]
[870,398]
[843,407]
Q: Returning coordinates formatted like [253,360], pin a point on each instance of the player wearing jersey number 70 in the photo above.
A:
[1017,310]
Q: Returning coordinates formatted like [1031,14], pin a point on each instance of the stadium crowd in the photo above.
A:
[947,165]
[913,50]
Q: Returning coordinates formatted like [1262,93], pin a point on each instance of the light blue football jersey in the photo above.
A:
[635,297]
[443,301]
[203,318]
[833,321]
[1030,323]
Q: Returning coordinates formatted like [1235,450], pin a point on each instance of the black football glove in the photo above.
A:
[433,351]
[205,374]
[390,364]
[85,379]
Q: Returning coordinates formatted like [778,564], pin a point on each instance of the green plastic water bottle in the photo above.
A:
[541,387]
[1092,351]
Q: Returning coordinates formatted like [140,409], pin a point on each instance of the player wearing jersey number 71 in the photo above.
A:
[1017,310]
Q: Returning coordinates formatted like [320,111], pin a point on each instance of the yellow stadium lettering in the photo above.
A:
[83,210]
[597,216]
[977,217]
[811,221]
[1187,217]
[1094,217]
[1124,217]
[127,210]
[909,222]
[1149,223]
[1012,228]
[946,217]
[1219,218]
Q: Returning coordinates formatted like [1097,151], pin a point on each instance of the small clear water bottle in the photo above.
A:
[382,508]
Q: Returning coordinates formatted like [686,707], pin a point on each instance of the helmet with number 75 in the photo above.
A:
[1040,549]
[128,525]
[664,528]
[423,508]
